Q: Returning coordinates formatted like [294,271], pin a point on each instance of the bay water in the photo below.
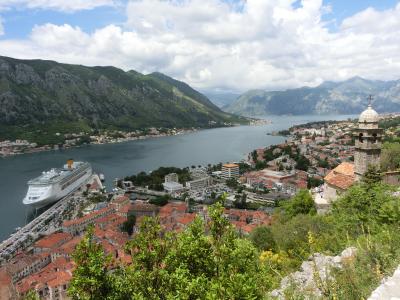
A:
[128,158]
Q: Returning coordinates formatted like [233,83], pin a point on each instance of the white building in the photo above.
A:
[172,177]
[199,183]
[173,187]
[230,171]
[198,173]
[171,184]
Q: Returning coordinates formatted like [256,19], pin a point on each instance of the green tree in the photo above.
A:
[232,183]
[372,176]
[313,182]
[365,206]
[31,295]
[302,163]
[254,156]
[263,238]
[323,163]
[90,279]
[160,200]
[127,226]
[240,201]
[244,167]
[147,275]
[301,203]
[390,158]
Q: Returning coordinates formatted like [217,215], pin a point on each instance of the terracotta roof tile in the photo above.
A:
[345,168]
[53,240]
[342,176]
[63,277]
[230,165]
[94,215]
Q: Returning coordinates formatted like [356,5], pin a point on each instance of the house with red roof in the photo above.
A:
[51,241]
[78,226]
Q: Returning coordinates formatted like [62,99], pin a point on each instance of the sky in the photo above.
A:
[213,45]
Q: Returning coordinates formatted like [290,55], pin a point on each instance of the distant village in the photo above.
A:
[323,157]
[70,140]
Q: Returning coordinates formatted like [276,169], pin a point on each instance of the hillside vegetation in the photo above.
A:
[36,95]
[209,260]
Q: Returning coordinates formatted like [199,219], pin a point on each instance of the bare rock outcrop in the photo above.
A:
[389,288]
[316,269]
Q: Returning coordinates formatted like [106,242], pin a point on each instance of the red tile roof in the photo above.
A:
[230,166]
[345,168]
[63,277]
[342,176]
[173,207]
[54,274]
[143,206]
[5,285]
[125,208]
[94,215]
[69,246]
[53,240]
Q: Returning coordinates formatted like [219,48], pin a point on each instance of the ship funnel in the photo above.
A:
[69,163]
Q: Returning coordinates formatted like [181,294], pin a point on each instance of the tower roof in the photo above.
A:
[369,116]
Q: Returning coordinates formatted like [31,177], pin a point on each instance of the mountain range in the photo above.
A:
[346,97]
[41,92]
[221,99]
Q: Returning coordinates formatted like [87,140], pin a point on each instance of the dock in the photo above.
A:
[46,223]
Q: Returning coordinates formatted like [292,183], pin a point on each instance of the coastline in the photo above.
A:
[130,136]
[48,148]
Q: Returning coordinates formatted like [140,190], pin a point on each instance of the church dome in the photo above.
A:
[369,116]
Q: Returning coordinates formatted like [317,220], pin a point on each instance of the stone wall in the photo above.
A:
[392,177]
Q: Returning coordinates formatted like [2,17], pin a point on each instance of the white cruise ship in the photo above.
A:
[55,184]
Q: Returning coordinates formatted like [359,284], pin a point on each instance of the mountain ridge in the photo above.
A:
[40,91]
[345,97]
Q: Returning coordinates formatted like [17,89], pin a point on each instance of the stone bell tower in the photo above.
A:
[368,141]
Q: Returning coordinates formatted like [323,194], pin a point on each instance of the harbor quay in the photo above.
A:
[44,224]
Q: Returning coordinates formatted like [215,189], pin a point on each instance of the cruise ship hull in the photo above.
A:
[39,196]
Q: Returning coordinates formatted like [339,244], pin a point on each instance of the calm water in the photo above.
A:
[118,160]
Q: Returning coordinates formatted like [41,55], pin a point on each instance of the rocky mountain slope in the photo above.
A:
[39,92]
[345,97]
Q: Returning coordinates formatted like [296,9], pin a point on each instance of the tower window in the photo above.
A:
[360,137]
[374,138]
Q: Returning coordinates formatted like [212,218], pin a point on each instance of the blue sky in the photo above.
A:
[230,45]
[18,22]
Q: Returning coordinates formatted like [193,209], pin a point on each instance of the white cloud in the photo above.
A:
[60,5]
[212,44]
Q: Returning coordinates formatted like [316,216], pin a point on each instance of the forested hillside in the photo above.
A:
[38,94]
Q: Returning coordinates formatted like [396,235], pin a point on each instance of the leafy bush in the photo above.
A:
[186,265]
[263,238]
[127,226]
[301,203]
[160,200]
